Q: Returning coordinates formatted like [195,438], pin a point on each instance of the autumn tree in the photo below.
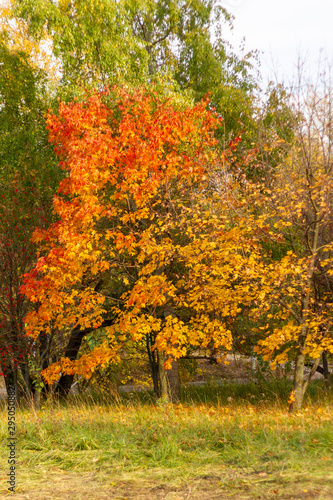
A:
[97,42]
[169,43]
[130,220]
[294,223]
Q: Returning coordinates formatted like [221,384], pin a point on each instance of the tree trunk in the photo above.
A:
[301,385]
[173,381]
[11,380]
[326,370]
[38,393]
[72,350]
[298,383]
[164,394]
[153,361]
[172,375]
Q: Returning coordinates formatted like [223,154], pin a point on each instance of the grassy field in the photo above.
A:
[215,445]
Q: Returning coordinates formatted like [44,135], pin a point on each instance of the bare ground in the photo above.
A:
[221,484]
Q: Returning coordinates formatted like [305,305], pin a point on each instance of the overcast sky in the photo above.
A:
[283,29]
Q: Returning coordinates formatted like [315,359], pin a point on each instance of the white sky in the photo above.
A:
[283,29]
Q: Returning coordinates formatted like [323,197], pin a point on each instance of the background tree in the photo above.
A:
[295,273]
[29,174]
[100,42]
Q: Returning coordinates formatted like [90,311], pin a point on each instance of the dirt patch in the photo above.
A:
[71,486]
[63,485]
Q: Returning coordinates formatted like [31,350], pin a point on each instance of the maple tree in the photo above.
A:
[133,239]
[78,45]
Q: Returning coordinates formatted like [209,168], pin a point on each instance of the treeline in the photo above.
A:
[166,208]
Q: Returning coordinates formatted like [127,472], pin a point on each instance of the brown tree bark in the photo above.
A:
[74,344]
[172,377]
[298,383]
[326,370]
[164,392]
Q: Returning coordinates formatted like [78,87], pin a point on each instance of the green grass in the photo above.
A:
[256,392]
[268,392]
[207,447]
